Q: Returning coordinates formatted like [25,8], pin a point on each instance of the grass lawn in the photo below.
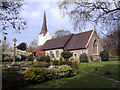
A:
[82,80]
[111,66]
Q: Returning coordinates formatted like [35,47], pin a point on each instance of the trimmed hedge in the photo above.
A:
[104,55]
[83,57]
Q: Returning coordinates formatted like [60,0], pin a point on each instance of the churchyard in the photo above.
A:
[39,74]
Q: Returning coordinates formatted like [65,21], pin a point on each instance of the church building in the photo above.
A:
[85,42]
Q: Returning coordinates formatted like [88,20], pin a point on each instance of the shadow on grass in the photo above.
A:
[82,80]
[110,69]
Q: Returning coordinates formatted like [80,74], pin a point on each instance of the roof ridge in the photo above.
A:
[59,37]
[83,32]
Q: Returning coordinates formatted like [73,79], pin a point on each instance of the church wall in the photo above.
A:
[54,52]
[89,49]
[78,53]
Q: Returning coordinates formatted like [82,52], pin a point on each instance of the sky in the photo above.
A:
[33,14]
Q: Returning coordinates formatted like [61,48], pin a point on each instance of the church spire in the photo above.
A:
[44,26]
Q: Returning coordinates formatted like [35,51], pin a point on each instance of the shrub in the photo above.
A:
[104,55]
[35,64]
[60,60]
[30,57]
[64,71]
[55,62]
[44,64]
[65,63]
[11,79]
[75,71]
[44,58]
[51,74]
[74,64]
[91,58]
[66,55]
[34,75]
[83,57]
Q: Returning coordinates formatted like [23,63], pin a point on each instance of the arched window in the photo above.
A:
[95,47]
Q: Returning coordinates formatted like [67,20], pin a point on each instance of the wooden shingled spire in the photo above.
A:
[44,26]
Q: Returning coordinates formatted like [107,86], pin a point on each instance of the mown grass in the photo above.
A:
[82,80]
[102,67]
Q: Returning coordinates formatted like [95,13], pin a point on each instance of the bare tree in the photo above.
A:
[9,16]
[103,14]
[34,43]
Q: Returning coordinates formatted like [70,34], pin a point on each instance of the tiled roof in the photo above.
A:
[78,41]
[38,51]
[56,42]
[68,42]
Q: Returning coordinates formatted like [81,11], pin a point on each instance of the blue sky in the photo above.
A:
[33,14]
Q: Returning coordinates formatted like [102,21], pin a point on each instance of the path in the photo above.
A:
[101,76]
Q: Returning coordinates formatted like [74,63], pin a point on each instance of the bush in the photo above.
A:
[74,64]
[44,58]
[54,62]
[83,57]
[64,71]
[91,58]
[51,74]
[11,79]
[104,55]
[44,64]
[66,55]
[65,63]
[34,75]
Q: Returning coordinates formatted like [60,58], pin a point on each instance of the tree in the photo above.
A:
[30,49]
[66,55]
[34,43]
[22,46]
[104,14]
[9,16]
[61,33]
[111,41]
[3,47]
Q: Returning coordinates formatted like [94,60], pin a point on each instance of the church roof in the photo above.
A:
[78,41]
[68,42]
[44,26]
[56,42]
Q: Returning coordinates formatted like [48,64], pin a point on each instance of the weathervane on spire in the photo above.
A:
[94,27]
